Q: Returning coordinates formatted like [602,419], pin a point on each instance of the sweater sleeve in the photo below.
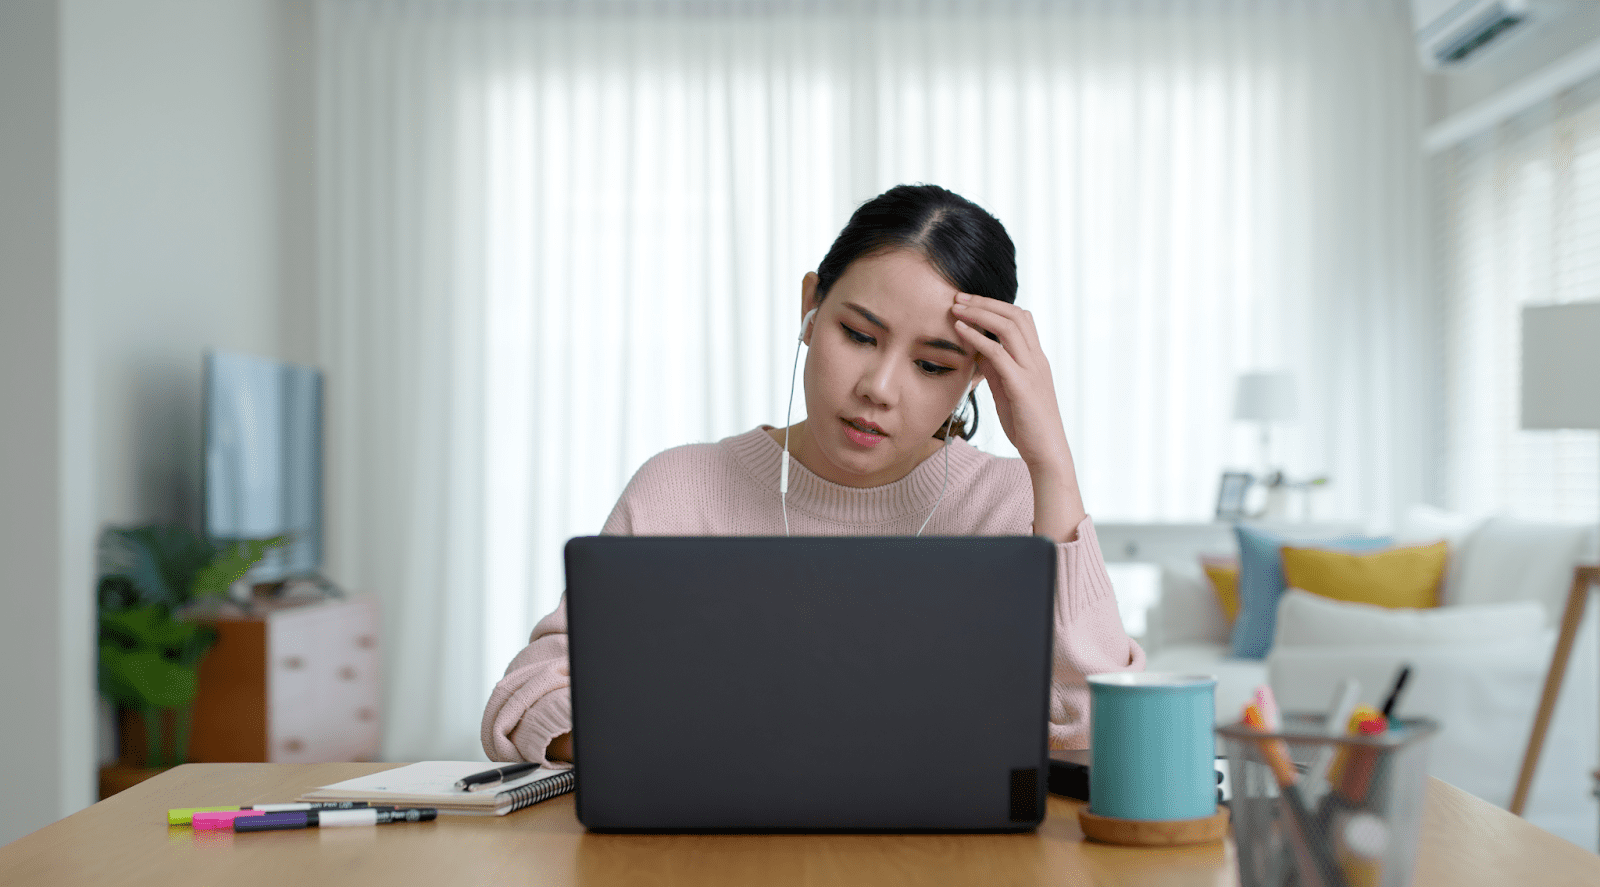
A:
[532,704]
[1089,637]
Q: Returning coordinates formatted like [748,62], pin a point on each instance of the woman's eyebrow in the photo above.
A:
[869,317]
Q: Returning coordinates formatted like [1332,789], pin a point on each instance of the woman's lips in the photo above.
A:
[860,435]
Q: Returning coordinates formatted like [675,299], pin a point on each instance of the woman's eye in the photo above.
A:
[855,336]
[934,369]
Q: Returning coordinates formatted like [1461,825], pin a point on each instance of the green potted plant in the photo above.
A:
[149,656]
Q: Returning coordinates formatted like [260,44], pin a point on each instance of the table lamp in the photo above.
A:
[1560,389]
[1266,397]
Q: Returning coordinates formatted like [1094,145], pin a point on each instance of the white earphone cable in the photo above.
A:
[783,473]
[948,433]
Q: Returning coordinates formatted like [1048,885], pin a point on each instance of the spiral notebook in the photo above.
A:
[432,784]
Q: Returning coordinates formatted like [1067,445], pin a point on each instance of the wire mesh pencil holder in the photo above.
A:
[1312,810]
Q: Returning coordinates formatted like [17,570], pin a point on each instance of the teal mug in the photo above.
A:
[1153,746]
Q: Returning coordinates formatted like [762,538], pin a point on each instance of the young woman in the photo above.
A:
[909,311]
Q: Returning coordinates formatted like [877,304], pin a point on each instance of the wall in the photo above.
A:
[297,179]
[139,225]
[45,426]
[170,202]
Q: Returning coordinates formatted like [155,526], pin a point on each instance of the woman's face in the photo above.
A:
[884,370]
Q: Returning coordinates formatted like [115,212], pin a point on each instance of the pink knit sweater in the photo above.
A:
[730,488]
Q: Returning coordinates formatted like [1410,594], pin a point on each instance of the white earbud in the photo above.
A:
[806,322]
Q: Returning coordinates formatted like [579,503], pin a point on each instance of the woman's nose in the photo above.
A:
[877,383]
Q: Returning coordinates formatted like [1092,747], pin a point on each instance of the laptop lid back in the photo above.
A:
[879,683]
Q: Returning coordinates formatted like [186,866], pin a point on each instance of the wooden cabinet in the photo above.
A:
[291,684]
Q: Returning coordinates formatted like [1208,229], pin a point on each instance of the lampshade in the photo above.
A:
[1561,366]
[1266,397]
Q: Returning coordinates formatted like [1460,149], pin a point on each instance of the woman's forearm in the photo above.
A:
[1057,502]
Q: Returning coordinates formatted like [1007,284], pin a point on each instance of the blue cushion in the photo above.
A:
[1261,582]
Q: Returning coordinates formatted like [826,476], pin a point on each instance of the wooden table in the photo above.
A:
[125,840]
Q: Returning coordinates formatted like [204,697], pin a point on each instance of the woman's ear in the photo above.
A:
[808,303]
[977,376]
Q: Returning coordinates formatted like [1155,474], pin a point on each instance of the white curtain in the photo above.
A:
[1520,224]
[557,238]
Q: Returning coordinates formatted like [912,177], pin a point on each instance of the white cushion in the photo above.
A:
[1516,560]
[1483,696]
[1138,588]
[1424,524]
[1237,679]
[1310,620]
[1187,612]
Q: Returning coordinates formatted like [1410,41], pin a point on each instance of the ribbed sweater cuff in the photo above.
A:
[548,718]
[1084,569]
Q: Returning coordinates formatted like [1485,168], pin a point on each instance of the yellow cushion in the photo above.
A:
[1395,577]
[1223,573]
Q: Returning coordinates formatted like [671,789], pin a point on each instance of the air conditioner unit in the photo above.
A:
[1450,33]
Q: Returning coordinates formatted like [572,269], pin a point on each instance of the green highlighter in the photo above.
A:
[185,815]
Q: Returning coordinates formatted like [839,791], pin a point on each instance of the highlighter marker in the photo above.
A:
[185,815]
[277,822]
[1361,764]
[1313,858]
[209,820]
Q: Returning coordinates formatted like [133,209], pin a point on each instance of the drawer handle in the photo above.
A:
[294,745]
[294,662]
[365,714]
[347,673]
[366,642]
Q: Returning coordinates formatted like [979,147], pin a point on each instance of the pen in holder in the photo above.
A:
[1357,829]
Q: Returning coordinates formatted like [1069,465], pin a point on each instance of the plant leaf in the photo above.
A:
[145,678]
[159,562]
[230,565]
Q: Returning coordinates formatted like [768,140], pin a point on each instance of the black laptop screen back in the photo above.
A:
[815,683]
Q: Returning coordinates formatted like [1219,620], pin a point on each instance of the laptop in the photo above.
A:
[810,684]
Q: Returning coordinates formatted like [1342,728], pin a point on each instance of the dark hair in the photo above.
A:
[964,243]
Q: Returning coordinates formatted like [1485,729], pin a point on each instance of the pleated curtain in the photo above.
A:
[555,238]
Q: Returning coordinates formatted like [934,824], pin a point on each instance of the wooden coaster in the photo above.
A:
[1155,833]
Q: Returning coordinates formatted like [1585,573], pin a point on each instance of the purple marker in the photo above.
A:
[224,818]
[277,822]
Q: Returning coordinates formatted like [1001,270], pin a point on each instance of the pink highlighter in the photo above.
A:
[222,819]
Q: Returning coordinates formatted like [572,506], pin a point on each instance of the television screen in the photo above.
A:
[263,459]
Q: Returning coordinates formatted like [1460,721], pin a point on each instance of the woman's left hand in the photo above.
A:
[1025,399]
[1019,377]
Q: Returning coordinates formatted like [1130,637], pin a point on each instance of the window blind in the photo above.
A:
[1519,224]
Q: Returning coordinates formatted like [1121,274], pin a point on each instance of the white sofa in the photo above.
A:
[1481,684]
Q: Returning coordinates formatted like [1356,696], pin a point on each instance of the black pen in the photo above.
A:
[1394,695]
[490,778]
[277,822]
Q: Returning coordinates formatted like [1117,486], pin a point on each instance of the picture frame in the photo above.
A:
[1231,493]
